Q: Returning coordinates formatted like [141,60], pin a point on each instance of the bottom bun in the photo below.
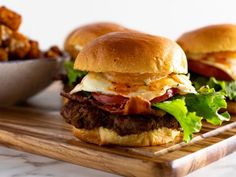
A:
[103,136]
[231,107]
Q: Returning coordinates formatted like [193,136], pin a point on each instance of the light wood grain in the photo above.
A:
[45,133]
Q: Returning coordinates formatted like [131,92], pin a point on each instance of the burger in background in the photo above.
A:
[74,43]
[136,93]
[211,53]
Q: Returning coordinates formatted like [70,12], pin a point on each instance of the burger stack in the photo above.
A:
[136,92]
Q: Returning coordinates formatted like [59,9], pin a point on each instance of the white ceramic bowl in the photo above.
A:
[20,80]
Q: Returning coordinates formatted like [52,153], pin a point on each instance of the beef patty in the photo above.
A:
[84,115]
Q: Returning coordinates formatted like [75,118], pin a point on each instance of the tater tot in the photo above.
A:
[53,52]
[3,55]
[10,18]
[19,46]
[34,51]
[5,34]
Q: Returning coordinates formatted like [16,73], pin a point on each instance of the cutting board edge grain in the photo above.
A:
[203,157]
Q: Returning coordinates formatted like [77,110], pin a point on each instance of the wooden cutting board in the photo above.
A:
[45,133]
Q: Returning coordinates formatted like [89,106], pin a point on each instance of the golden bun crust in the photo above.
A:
[231,107]
[84,34]
[130,52]
[214,38]
[103,136]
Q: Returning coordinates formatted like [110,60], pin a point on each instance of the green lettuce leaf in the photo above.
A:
[189,121]
[207,104]
[190,109]
[231,90]
[72,74]
[228,87]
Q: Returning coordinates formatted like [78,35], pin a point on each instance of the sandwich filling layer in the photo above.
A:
[224,61]
[146,90]
[84,113]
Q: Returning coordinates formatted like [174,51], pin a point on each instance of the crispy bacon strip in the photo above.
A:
[117,104]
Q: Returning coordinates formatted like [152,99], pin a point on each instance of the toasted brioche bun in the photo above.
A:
[103,136]
[214,38]
[231,107]
[129,52]
[84,34]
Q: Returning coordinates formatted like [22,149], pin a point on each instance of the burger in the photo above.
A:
[136,93]
[211,53]
[82,35]
[75,41]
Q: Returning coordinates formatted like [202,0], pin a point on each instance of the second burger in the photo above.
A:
[211,53]
[75,42]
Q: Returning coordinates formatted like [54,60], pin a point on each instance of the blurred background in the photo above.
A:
[49,21]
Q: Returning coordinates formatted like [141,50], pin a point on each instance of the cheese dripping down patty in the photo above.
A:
[224,63]
[97,82]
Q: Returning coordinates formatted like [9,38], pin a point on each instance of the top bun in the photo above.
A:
[84,34]
[214,38]
[129,52]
